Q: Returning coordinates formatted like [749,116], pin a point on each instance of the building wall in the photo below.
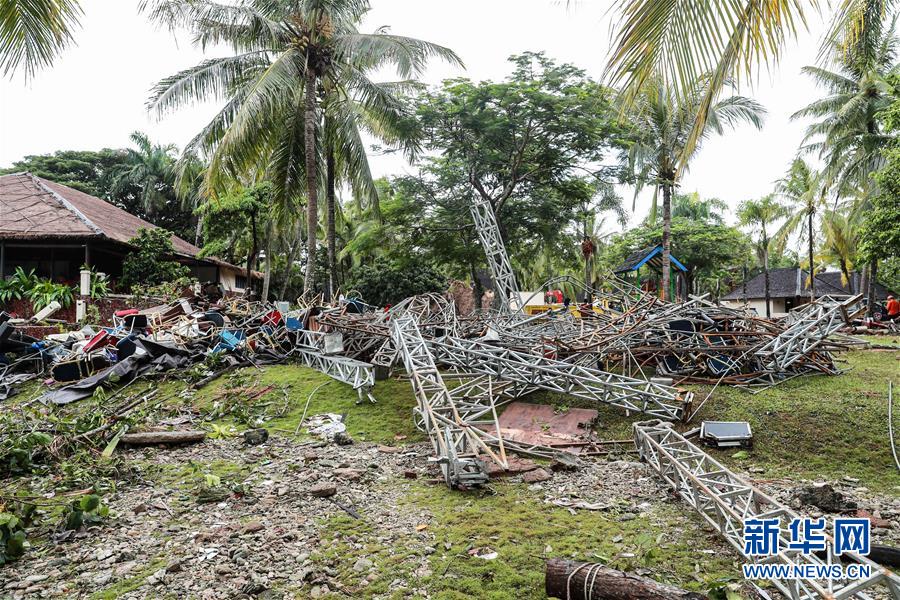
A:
[759,304]
[232,280]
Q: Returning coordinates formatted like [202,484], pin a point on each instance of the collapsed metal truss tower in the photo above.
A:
[456,443]
[312,349]
[498,260]
[810,326]
[725,501]
[570,378]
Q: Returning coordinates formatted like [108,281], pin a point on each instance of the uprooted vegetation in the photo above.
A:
[198,509]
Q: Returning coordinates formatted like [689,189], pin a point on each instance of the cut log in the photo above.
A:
[565,579]
[148,438]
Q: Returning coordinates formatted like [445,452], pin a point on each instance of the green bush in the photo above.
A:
[385,283]
[150,263]
[45,291]
[18,285]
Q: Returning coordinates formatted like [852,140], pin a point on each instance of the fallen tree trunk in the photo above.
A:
[566,579]
[148,438]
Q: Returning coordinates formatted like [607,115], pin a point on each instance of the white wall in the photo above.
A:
[777,306]
[228,279]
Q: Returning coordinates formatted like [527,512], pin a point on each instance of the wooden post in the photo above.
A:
[570,580]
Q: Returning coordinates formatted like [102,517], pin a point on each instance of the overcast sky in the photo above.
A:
[94,95]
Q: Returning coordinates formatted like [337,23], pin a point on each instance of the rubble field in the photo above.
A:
[242,515]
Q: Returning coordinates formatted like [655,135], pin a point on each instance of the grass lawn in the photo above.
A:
[817,428]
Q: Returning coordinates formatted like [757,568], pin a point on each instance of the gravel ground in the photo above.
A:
[159,542]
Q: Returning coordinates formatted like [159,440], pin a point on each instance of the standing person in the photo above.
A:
[893,308]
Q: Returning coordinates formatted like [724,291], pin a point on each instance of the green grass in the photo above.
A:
[524,531]
[378,422]
[819,427]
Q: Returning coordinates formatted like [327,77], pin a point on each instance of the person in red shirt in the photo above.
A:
[893,308]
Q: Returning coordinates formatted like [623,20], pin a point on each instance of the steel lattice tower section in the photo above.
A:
[811,326]
[726,500]
[456,443]
[498,260]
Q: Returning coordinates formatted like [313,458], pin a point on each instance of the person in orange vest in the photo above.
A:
[893,308]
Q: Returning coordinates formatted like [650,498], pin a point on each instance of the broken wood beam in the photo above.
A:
[148,438]
[570,580]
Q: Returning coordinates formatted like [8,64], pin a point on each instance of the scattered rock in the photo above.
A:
[875,519]
[389,449]
[323,490]
[564,461]
[363,564]
[536,476]
[824,497]
[174,567]
[349,474]
[253,527]
[410,474]
[342,438]
[255,437]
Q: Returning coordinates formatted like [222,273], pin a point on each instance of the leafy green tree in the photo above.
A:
[881,230]
[761,215]
[91,172]
[34,32]
[287,56]
[713,253]
[235,222]
[534,146]
[662,122]
[150,263]
[384,282]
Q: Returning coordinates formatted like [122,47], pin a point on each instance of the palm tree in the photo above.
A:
[841,237]
[288,57]
[661,151]
[726,40]
[761,215]
[150,168]
[34,32]
[345,157]
[847,133]
[694,208]
[805,190]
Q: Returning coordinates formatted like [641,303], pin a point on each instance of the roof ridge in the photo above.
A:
[66,204]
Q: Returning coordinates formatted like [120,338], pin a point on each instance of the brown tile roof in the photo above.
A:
[29,210]
[32,207]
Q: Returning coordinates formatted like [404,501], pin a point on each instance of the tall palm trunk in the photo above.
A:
[312,189]
[870,290]
[267,272]
[666,239]
[292,254]
[329,209]
[812,268]
[765,250]
[251,257]
[199,231]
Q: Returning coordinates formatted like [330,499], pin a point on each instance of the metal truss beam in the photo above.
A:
[571,378]
[310,349]
[456,443]
[498,260]
[810,327]
[725,501]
